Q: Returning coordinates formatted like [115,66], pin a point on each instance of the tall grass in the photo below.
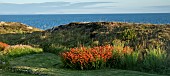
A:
[155,60]
[129,61]
[20,50]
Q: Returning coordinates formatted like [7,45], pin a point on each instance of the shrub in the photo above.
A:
[87,58]
[155,60]
[120,57]
[129,61]
[3,46]
[20,50]
[99,57]
[118,43]
[52,48]
[128,34]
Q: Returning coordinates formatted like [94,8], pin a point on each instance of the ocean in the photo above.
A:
[46,21]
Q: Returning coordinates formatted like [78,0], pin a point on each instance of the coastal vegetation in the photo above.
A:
[106,48]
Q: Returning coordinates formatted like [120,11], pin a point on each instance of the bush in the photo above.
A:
[123,58]
[128,34]
[99,57]
[155,60]
[20,50]
[129,61]
[52,48]
[87,58]
[3,46]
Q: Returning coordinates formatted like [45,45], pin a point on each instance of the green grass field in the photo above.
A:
[47,64]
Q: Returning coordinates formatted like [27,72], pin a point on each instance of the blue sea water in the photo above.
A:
[48,21]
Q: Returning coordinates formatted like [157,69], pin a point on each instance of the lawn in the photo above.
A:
[48,64]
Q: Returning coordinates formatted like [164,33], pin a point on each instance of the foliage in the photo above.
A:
[20,50]
[73,34]
[138,37]
[52,48]
[116,56]
[155,60]
[129,61]
[99,57]
[128,34]
[87,58]
[123,56]
[3,46]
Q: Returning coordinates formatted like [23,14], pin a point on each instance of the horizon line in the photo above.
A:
[92,13]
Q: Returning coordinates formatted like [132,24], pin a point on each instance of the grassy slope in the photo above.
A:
[74,34]
[14,27]
[49,64]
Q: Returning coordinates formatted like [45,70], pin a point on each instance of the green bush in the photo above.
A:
[155,60]
[118,42]
[20,50]
[123,56]
[52,48]
[129,61]
[124,60]
[128,34]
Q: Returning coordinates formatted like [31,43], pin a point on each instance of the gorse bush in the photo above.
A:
[20,50]
[3,46]
[87,58]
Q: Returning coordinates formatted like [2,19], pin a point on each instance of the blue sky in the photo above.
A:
[83,6]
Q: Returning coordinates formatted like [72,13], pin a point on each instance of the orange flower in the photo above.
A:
[86,56]
[3,45]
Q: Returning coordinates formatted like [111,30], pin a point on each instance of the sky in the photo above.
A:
[83,6]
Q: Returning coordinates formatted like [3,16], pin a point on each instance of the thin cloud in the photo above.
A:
[161,7]
[49,6]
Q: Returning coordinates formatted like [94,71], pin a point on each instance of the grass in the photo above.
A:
[14,27]
[138,36]
[7,73]
[20,50]
[49,64]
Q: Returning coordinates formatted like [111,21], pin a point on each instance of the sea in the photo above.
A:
[47,21]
